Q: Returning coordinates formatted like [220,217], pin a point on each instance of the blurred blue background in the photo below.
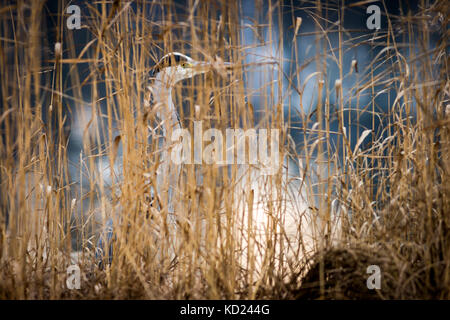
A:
[360,44]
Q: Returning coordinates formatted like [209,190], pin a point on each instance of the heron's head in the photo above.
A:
[175,66]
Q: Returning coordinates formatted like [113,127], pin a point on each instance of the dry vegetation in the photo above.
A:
[391,190]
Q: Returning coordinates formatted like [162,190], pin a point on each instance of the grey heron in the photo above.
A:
[171,69]
[293,222]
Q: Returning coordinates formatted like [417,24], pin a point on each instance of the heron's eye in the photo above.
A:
[185,65]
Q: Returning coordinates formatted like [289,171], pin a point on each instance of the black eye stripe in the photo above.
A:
[169,61]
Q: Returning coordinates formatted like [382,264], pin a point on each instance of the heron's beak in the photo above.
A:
[228,65]
[201,67]
[221,67]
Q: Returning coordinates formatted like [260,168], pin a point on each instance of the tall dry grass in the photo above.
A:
[387,181]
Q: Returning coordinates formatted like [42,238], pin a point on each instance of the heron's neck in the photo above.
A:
[167,173]
[162,94]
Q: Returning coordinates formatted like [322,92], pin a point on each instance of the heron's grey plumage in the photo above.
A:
[294,220]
